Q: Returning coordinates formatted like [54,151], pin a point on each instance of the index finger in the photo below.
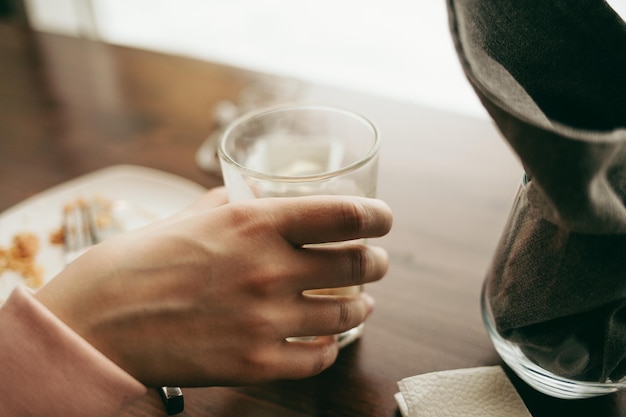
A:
[322,219]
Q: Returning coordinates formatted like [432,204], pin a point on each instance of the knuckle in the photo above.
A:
[318,362]
[352,216]
[247,219]
[260,326]
[239,214]
[265,280]
[256,360]
[359,264]
[346,315]
[256,364]
[325,359]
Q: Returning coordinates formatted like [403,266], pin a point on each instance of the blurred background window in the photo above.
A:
[394,48]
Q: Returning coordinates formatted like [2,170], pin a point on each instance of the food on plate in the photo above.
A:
[20,258]
[98,208]
[57,237]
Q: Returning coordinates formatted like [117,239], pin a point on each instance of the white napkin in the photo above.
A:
[474,392]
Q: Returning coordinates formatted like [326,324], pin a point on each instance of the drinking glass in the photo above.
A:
[297,150]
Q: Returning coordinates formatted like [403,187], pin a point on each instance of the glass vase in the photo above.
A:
[553,304]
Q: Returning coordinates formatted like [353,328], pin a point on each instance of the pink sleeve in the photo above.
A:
[48,370]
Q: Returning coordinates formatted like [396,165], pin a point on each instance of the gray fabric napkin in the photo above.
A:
[552,75]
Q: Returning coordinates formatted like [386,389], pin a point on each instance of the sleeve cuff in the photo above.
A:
[48,369]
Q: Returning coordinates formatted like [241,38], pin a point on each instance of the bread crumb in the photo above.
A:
[57,237]
[20,258]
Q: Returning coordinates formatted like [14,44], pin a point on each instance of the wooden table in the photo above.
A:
[70,106]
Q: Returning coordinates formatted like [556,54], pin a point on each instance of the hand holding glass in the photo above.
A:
[299,150]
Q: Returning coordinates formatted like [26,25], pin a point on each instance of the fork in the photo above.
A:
[81,230]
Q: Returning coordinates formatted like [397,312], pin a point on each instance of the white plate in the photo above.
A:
[150,194]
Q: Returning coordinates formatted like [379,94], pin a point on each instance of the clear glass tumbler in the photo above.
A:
[297,150]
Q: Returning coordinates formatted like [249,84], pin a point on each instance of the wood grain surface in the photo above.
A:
[70,106]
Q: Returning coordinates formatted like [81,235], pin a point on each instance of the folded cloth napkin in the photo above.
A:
[551,74]
[474,392]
